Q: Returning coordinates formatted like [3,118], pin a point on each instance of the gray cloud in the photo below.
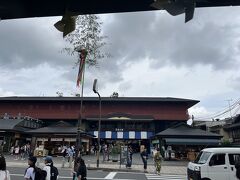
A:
[30,42]
[168,40]
[211,39]
[125,86]
[234,82]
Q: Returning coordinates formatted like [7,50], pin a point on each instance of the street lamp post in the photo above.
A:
[95,90]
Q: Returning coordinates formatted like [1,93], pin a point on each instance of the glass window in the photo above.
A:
[202,157]
[233,158]
[218,159]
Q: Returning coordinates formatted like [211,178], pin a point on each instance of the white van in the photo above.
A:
[214,164]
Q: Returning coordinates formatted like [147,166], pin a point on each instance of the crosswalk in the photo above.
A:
[165,177]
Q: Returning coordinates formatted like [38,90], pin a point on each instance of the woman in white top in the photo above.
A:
[4,174]
[30,171]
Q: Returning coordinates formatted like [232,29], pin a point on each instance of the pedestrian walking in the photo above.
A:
[82,170]
[104,151]
[110,147]
[30,171]
[144,156]
[70,153]
[95,149]
[52,171]
[75,168]
[158,160]
[129,157]
[142,147]
[33,172]
[12,150]
[22,152]
[73,149]
[4,173]
[16,152]
[28,149]
[64,154]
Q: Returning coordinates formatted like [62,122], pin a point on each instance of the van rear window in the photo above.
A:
[202,157]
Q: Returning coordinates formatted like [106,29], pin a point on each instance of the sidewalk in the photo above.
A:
[168,167]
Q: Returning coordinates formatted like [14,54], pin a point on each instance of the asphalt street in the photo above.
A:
[65,174]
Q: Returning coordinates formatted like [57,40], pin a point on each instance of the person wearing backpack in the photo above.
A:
[82,170]
[52,171]
[33,172]
[4,173]
[30,171]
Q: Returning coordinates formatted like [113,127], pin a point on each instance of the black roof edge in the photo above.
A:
[69,98]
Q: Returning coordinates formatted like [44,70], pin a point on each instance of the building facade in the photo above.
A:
[229,128]
[128,119]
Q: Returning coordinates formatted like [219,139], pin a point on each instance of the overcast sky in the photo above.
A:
[153,54]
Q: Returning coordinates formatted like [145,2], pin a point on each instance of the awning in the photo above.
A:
[9,124]
[186,141]
[123,134]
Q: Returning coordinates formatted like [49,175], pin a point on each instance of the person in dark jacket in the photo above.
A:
[82,171]
[144,156]
[129,157]
[237,166]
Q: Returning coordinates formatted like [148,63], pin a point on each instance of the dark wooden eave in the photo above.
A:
[13,9]
[189,102]
[185,131]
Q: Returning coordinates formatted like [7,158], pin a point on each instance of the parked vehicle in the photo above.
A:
[214,164]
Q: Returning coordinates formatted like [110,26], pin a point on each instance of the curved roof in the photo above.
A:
[60,127]
[184,130]
[54,130]
[9,124]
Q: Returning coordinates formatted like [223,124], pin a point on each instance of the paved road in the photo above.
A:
[165,177]
[17,174]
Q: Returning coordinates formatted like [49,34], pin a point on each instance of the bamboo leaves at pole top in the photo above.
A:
[87,35]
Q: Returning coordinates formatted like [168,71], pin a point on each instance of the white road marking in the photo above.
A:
[165,177]
[65,177]
[111,175]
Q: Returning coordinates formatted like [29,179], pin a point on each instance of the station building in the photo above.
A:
[124,119]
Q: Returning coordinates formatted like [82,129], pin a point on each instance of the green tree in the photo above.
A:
[114,95]
[88,36]
[77,95]
[225,142]
[60,94]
